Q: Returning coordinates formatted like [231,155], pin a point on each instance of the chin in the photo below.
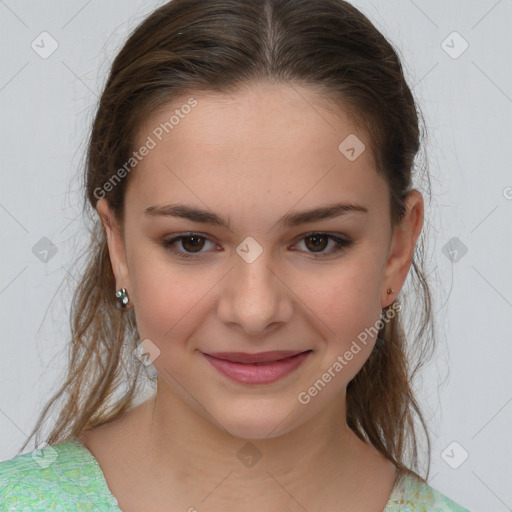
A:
[253,422]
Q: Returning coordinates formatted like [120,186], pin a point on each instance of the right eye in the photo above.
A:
[192,243]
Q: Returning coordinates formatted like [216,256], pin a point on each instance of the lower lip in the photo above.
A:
[263,373]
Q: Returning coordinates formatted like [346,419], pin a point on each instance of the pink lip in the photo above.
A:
[259,357]
[262,368]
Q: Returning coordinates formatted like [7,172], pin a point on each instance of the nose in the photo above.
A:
[255,297]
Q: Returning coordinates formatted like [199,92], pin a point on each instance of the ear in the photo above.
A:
[402,247]
[115,243]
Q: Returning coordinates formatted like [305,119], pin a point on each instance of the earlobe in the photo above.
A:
[404,238]
[115,243]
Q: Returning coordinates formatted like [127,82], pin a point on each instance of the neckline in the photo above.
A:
[99,471]
[394,497]
[396,493]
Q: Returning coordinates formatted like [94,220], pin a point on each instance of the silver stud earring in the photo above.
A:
[122,298]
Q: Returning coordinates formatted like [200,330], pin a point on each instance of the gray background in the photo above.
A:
[47,105]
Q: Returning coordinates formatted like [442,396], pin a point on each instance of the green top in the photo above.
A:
[67,477]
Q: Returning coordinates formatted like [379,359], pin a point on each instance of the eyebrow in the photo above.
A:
[290,219]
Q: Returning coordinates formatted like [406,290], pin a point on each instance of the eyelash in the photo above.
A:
[341,244]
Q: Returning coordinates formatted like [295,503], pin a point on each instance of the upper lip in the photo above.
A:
[260,357]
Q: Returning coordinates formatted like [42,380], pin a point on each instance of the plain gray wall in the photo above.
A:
[47,106]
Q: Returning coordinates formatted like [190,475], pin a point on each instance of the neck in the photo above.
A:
[164,451]
[195,451]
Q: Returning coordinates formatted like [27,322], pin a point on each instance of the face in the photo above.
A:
[266,266]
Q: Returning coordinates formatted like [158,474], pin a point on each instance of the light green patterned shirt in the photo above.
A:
[67,477]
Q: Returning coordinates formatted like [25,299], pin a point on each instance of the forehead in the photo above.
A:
[277,144]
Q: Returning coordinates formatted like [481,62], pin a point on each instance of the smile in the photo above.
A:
[256,368]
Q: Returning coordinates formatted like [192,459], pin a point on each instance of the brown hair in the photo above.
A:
[221,45]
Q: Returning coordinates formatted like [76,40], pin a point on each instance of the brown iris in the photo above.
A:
[317,244]
[197,243]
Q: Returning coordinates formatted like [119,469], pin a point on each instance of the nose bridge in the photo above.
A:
[254,297]
[254,278]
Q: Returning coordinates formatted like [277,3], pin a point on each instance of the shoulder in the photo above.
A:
[413,495]
[61,477]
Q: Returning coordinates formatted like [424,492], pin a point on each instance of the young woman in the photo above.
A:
[251,167]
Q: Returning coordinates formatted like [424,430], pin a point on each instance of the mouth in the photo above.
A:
[260,368]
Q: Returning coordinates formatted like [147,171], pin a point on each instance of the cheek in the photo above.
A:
[350,311]
[167,297]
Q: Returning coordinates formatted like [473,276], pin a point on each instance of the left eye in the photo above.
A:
[319,242]
[193,243]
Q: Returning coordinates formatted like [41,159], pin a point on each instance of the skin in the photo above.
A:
[252,157]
